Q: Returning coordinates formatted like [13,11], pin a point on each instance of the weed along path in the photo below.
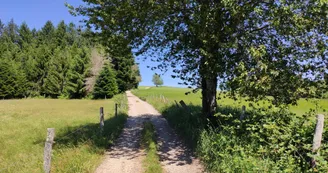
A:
[126,155]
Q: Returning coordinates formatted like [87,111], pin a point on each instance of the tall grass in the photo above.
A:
[79,147]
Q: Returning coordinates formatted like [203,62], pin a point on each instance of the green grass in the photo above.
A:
[171,93]
[148,141]
[23,133]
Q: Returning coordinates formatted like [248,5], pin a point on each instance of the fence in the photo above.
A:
[51,135]
[50,138]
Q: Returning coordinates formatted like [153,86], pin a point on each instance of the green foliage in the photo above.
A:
[157,80]
[257,49]
[136,76]
[12,80]
[106,85]
[125,75]
[267,140]
[50,62]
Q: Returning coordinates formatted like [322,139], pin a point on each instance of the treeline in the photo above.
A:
[51,62]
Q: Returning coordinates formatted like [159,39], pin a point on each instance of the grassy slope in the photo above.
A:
[23,132]
[148,141]
[179,94]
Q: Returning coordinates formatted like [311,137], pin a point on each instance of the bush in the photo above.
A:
[266,141]
[106,86]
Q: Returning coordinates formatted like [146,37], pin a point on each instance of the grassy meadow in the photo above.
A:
[78,147]
[172,93]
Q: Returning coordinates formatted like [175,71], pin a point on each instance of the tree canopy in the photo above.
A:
[254,48]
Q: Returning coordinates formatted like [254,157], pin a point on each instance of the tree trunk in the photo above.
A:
[209,85]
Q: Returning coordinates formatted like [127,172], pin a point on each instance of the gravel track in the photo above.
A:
[126,156]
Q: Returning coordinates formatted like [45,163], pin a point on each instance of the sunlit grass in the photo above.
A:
[23,125]
[171,93]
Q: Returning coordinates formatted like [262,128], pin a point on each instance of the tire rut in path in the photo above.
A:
[125,156]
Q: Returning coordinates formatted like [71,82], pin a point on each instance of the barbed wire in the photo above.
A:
[63,137]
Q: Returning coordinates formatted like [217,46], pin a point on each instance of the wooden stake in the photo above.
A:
[176,103]
[183,104]
[101,119]
[317,136]
[48,149]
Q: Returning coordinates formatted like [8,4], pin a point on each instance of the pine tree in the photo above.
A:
[53,61]
[61,35]
[2,26]
[12,31]
[75,87]
[106,86]
[57,76]
[72,34]
[12,80]
[124,73]
[25,36]
[47,32]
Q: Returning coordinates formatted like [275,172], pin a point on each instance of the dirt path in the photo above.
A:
[126,157]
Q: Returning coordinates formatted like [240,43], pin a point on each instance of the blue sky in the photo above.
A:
[36,12]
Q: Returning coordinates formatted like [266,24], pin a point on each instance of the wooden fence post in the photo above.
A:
[243,110]
[183,104]
[115,109]
[101,119]
[176,103]
[317,136]
[48,149]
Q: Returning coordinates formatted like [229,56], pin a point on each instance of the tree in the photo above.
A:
[12,80]
[25,35]
[2,26]
[250,46]
[122,60]
[61,35]
[106,86]
[52,61]
[58,73]
[157,80]
[136,76]
[123,66]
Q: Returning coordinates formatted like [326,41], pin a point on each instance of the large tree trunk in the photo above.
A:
[209,85]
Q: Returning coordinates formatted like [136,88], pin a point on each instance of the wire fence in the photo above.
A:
[121,107]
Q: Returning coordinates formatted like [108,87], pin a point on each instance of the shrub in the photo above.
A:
[266,141]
